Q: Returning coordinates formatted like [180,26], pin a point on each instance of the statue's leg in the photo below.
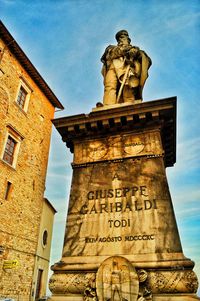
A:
[128,94]
[110,87]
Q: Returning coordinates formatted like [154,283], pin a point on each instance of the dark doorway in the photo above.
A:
[38,285]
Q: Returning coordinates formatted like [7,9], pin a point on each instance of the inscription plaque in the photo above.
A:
[113,209]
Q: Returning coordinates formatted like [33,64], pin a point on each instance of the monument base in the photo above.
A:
[166,297]
[113,106]
[122,241]
[172,297]
[67,298]
[156,284]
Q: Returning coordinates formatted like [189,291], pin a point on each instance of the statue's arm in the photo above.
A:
[117,52]
[142,52]
[114,52]
[136,53]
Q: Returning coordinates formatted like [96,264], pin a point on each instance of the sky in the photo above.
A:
[65,39]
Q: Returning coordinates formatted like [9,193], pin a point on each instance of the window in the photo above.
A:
[11,146]
[9,150]
[22,97]
[23,94]
[44,238]
[38,285]
[8,188]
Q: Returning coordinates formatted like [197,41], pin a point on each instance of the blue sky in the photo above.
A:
[65,39]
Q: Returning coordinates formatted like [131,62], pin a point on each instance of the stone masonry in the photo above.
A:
[20,212]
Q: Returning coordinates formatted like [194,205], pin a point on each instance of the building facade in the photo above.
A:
[27,106]
[43,251]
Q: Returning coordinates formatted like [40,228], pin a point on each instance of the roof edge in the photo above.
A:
[17,51]
[50,205]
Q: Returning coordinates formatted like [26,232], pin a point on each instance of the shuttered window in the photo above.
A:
[9,150]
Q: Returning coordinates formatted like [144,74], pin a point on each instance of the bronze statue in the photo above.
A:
[125,70]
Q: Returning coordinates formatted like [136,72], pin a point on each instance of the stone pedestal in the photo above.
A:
[121,240]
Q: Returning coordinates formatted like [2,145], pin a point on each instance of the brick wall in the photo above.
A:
[20,214]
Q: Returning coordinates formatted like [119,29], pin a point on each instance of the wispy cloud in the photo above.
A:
[186,195]
[188,158]
[58,175]
[182,21]
[190,212]
[8,2]
[189,149]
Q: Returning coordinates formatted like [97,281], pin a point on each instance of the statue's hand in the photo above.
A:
[133,52]
[141,299]
[131,55]
[126,48]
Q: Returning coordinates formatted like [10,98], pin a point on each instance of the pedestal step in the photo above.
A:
[166,297]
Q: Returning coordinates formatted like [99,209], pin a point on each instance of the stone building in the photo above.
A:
[27,106]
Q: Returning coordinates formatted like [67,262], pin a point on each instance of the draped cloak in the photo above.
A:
[138,70]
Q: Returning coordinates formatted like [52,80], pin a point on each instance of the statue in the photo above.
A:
[116,294]
[125,70]
[117,280]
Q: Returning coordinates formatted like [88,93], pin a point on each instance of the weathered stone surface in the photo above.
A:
[77,283]
[179,281]
[122,208]
[118,147]
[120,204]
[174,297]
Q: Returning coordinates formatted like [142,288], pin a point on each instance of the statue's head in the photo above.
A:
[122,37]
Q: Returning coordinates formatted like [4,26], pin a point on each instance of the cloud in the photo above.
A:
[189,212]
[182,21]
[188,158]
[185,203]
[8,2]
[62,207]
[57,164]
[58,175]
